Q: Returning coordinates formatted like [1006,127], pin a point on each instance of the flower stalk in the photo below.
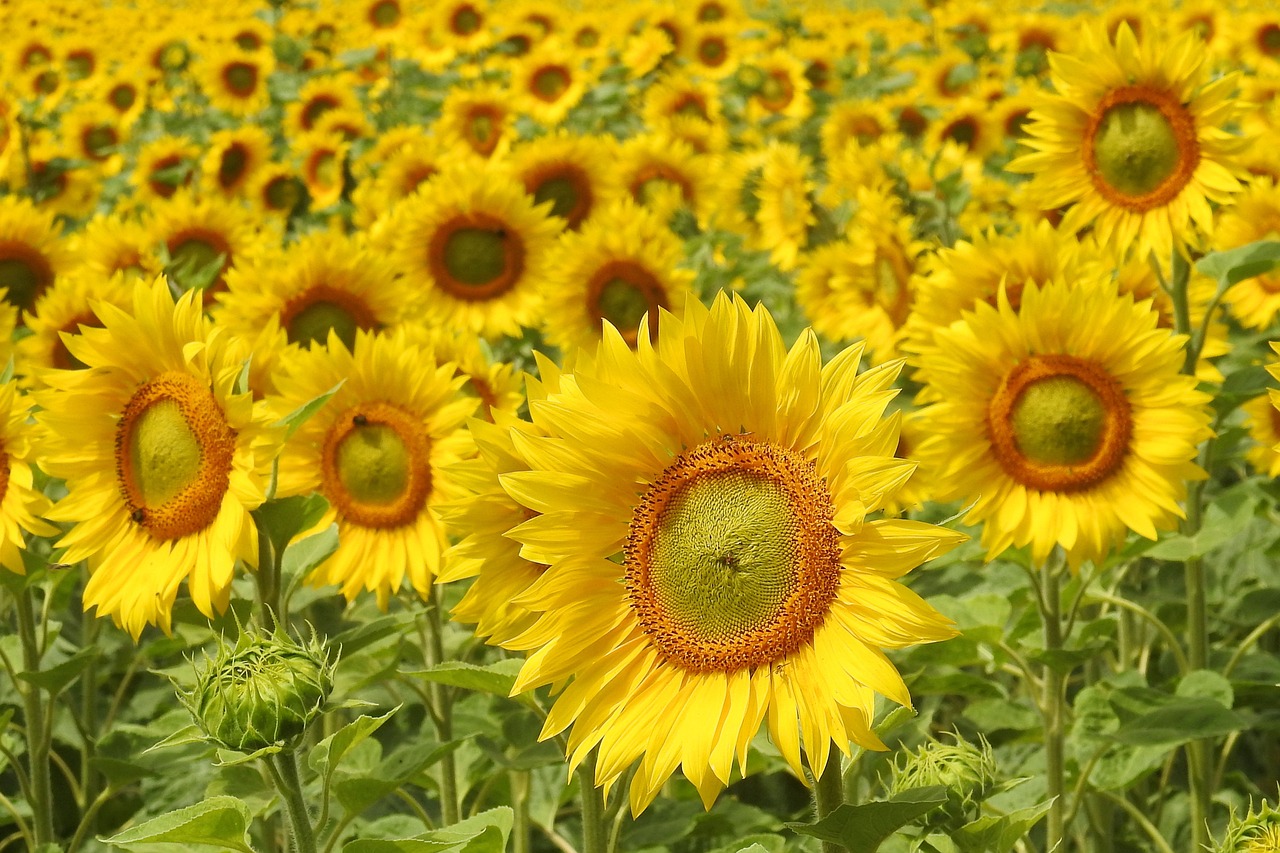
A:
[828,794]
[442,710]
[1053,700]
[37,724]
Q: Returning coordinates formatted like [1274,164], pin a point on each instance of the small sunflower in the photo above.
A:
[1262,419]
[163,460]
[478,118]
[323,159]
[1067,422]
[203,238]
[478,248]
[32,251]
[549,82]
[21,504]
[701,507]
[165,166]
[1255,215]
[565,170]
[63,309]
[623,265]
[317,97]
[1133,141]
[664,174]
[234,157]
[378,451]
[236,81]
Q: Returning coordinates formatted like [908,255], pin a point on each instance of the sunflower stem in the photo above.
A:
[442,700]
[1199,762]
[520,829]
[828,794]
[284,772]
[36,725]
[595,829]
[1053,700]
[268,577]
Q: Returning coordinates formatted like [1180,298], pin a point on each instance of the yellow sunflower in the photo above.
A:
[1133,141]
[165,165]
[233,158]
[1255,215]
[111,243]
[478,119]
[163,460]
[623,265]
[32,251]
[21,504]
[235,80]
[1262,419]
[664,174]
[565,170]
[478,248]
[63,308]
[378,451]
[549,82]
[495,384]
[701,506]
[1067,422]
[203,238]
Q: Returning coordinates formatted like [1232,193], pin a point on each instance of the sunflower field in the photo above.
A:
[663,426]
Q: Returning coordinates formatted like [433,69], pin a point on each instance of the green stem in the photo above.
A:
[1136,813]
[442,702]
[521,838]
[1052,701]
[36,724]
[268,577]
[283,767]
[595,830]
[88,716]
[828,794]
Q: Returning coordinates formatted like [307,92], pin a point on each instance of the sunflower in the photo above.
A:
[548,82]
[32,251]
[277,191]
[21,504]
[701,507]
[1133,141]
[1262,419]
[495,384]
[679,94]
[1067,422]
[715,51]
[782,97]
[664,174]
[478,248]
[400,172]
[234,157]
[52,177]
[464,24]
[317,97]
[63,308]
[1254,302]
[94,133]
[566,171]
[378,451]
[478,118]
[785,212]
[236,81]
[325,283]
[853,124]
[165,165]
[163,460]
[323,157]
[203,238]
[621,266]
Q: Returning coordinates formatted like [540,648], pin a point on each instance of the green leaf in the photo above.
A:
[485,833]
[182,737]
[358,793]
[496,678]
[304,555]
[863,828]
[299,416]
[285,518]
[217,822]
[999,834]
[242,378]
[1180,721]
[1206,684]
[55,679]
[1235,265]
[328,753]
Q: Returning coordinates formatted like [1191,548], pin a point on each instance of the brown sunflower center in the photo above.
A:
[232,164]
[384,14]
[482,128]
[376,465]
[316,107]
[123,96]
[1269,40]
[622,292]
[465,20]
[24,274]
[283,193]
[568,189]
[550,82]
[776,92]
[731,558]
[656,181]
[99,140]
[1140,147]
[712,51]
[174,452]
[309,317]
[1059,423]
[475,257]
[241,78]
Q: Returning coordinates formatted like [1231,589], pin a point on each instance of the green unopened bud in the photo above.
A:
[749,78]
[1254,833]
[968,773]
[263,691]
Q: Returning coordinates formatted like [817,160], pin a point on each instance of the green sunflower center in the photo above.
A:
[1058,420]
[283,193]
[711,51]
[373,464]
[550,83]
[731,557]
[23,280]
[231,166]
[622,303]
[475,256]
[1136,148]
[98,141]
[561,192]
[195,262]
[385,14]
[313,323]
[123,96]
[164,452]
[241,78]
[465,21]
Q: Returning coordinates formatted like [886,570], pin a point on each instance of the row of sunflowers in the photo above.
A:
[621,366]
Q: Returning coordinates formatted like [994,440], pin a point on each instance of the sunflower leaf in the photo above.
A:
[1235,265]
[863,828]
[291,422]
[219,822]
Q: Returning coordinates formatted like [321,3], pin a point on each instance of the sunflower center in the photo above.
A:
[475,255]
[1141,147]
[776,92]
[1269,39]
[622,292]
[241,78]
[385,14]
[99,141]
[569,192]
[192,259]
[283,193]
[232,165]
[550,83]
[24,275]
[123,96]
[174,452]
[308,318]
[712,51]
[1059,423]
[376,465]
[731,557]
[465,21]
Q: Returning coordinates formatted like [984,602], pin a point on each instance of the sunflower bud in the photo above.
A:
[263,691]
[1254,833]
[968,773]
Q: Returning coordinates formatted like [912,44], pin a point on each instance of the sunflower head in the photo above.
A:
[263,691]
[967,771]
[1255,832]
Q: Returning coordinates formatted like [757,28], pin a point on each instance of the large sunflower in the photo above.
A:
[1133,140]
[1067,422]
[701,505]
[163,459]
[377,452]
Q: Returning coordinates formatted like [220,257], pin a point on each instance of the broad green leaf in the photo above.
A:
[485,833]
[219,822]
[1206,684]
[496,678]
[1180,721]
[999,834]
[181,737]
[1235,265]
[299,416]
[325,756]
[358,793]
[991,715]
[285,518]
[55,679]
[863,828]
[304,555]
